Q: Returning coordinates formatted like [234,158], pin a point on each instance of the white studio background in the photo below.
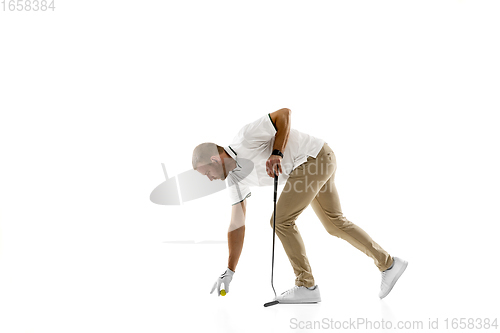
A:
[95,95]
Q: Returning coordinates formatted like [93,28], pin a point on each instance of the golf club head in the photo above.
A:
[271,303]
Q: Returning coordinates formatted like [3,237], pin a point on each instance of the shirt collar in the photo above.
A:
[233,154]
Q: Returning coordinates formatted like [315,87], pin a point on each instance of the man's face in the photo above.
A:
[212,171]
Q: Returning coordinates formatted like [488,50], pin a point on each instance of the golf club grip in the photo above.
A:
[275,186]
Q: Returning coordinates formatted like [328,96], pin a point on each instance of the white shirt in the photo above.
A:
[252,147]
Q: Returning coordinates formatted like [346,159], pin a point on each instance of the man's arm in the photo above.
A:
[236,234]
[281,120]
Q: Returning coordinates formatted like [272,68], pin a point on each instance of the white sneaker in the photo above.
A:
[300,295]
[390,276]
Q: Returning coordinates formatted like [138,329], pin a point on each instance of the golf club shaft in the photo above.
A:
[274,228]
[274,238]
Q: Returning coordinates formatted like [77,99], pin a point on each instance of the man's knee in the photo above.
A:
[338,223]
[272,220]
[341,222]
[282,224]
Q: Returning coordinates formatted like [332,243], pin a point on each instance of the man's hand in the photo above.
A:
[274,164]
[225,278]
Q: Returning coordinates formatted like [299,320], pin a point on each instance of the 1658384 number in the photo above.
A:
[27,5]
[471,323]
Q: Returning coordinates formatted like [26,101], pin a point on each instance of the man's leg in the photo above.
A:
[300,189]
[326,205]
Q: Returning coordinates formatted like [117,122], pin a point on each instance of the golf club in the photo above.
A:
[274,236]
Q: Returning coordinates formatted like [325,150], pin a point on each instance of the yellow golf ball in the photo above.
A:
[223,292]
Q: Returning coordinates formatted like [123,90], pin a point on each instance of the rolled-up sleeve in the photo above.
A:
[238,191]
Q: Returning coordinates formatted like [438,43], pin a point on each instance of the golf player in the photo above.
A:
[306,166]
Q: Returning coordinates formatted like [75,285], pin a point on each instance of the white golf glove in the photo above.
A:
[225,278]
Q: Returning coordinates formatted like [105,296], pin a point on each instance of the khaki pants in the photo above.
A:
[313,183]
